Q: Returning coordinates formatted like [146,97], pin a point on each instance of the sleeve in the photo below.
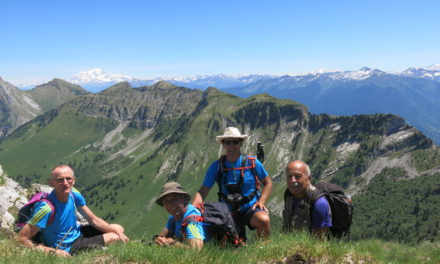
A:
[41,214]
[171,225]
[195,230]
[261,171]
[211,174]
[321,214]
[79,199]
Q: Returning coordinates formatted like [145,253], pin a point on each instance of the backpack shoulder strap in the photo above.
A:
[288,210]
[52,208]
[45,198]
[219,176]
[253,168]
[313,194]
[191,218]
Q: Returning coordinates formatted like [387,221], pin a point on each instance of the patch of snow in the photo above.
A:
[97,75]
[433,67]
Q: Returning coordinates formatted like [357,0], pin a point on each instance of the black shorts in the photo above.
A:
[244,219]
[90,238]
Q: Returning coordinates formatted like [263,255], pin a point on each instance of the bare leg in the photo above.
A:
[261,221]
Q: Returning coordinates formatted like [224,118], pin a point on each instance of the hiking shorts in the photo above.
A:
[245,218]
[90,238]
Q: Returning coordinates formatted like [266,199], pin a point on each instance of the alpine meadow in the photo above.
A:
[124,143]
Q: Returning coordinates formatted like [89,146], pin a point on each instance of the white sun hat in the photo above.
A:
[231,132]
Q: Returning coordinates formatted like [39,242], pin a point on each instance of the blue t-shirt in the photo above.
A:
[192,230]
[321,215]
[64,229]
[233,177]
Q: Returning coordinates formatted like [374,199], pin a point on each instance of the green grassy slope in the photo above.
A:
[164,133]
[54,93]
[290,248]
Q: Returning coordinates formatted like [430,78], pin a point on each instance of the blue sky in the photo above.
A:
[41,40]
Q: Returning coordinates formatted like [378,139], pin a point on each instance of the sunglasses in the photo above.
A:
[229,142]
[61,180]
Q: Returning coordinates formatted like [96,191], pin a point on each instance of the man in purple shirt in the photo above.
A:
[299,210]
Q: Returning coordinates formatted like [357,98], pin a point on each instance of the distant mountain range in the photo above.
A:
[413,94]
[96,80]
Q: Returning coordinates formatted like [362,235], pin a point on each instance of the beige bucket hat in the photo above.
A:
[168,188]
[231,132]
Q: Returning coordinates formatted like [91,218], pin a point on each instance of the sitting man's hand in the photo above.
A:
[123,237]
[61,253]
[164,241]
[261,206]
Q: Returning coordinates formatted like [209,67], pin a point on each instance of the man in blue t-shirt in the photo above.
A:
[298,213]
[64,236]
[181,224]
[238,177]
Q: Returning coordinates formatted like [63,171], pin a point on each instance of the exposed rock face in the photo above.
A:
[12,195]
[16,108]
[140,108]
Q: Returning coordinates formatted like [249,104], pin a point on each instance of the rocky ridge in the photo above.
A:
[16,108]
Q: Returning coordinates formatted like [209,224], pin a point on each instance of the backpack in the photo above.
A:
[341,207]
[220,222]
[25,212]
[221,180]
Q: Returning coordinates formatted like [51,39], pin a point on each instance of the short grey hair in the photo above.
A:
[307,169]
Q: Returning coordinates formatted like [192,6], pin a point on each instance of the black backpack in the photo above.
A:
[341,206]
[220,222]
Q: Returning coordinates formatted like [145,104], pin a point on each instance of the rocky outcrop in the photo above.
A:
[12,196]
[16,108]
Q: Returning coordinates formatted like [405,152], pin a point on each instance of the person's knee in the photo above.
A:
[261,220]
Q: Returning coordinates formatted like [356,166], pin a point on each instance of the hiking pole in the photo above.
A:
[260,152]
[64,237]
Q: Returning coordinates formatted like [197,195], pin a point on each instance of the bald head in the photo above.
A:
[299,165]
[297,177]
[62,170]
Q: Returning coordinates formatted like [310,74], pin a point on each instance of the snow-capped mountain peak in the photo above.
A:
[433,67]
[431,72]
[361,74]
[97,75]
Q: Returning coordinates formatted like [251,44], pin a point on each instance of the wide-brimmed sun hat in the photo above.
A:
[231,132]
[168,188]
